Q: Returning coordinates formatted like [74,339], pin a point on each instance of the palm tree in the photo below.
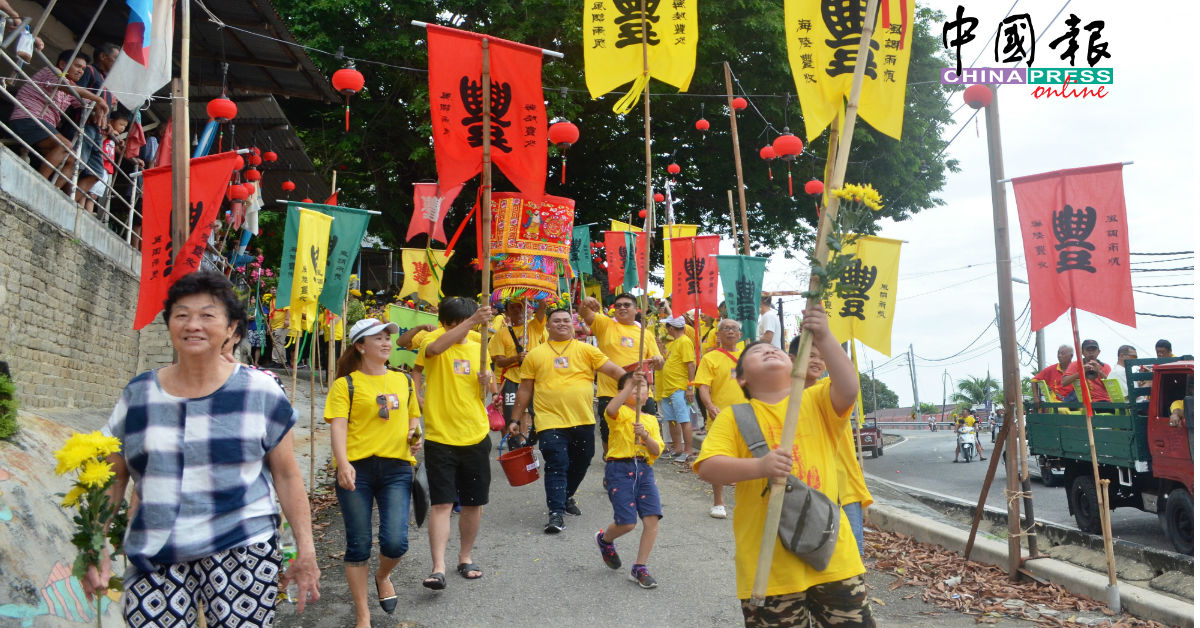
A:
[976,390]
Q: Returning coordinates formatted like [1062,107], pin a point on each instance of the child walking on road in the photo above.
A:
[634,443]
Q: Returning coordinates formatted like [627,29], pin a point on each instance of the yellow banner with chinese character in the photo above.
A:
[612,46]
[822,42]
[864,312]
[672,231]
[308,278]
[423,273]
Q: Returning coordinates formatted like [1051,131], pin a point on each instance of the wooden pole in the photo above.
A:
[180,141]
[733,220]
[648,227]
[295,365]
[1007,326]
[485,212]
[858,408]
[800,364]
[312,411]
[329,370]
[987,483]
[737,160]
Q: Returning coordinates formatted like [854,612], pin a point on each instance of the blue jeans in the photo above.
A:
[568,451]
[854,513]
[387,482]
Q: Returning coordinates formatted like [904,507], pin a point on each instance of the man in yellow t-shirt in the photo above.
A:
[764,373]
[618,338]
[456,434]
[509,346]
[561,373]
[716,383]
[678,371]
[278,321]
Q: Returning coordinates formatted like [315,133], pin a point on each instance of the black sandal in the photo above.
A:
[466,568]
[435,581]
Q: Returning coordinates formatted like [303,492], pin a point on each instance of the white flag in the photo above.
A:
[144,65]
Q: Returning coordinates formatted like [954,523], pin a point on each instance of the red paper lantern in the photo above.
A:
[253,160]
[978,96]
[673,168]
[348,81]
[702,125]
[642,213]
[237,192]
[658,198]
[768,154]
[739,103]
[814,187]
[787,147]
[306,200]
[288,186]
[221,109]
[251,175]
[563,133]
[270,156]
[238,162]
[249,187]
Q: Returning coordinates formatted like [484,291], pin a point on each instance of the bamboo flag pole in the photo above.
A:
[180,151]
[485,211]
[295,365]
[766,551]
[859,407]
[329,370]
[737,160]
[648,227]
[312,411]
[733,222]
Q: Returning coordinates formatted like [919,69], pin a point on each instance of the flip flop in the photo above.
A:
[435,581]
[464,569]
[388,604]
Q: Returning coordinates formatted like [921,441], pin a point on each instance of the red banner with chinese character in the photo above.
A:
[1076,243]
[208,180]
[429,210]
[621,261]
[518,133]
[694,274]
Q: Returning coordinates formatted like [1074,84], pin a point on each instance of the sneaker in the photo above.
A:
[608,552]
[681,457]
[572,507]
[642,577]
[555,524]
[717,512]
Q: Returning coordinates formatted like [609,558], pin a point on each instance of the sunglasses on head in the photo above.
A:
[384,412]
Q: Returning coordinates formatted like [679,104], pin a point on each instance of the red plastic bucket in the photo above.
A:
[519,466]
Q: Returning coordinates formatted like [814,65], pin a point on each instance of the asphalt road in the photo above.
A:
[925,461]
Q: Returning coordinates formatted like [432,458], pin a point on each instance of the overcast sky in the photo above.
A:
[948,288]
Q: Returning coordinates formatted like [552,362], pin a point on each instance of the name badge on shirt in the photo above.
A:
[462,367]
[733,373]
[562,362]
[393,401]
[626,341]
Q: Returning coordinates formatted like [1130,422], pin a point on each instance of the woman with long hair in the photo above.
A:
[374,422]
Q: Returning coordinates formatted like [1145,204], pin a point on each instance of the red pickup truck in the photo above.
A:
[870,438]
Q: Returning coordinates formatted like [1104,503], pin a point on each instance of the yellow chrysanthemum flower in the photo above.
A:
[95,474]
[103,445]
[73,454]
[72,496]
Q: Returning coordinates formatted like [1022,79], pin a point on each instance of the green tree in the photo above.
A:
[975,390]
[927,408]
[876,394]
[389,148]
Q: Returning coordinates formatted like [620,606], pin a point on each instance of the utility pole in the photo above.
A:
[912,373]
[874,394]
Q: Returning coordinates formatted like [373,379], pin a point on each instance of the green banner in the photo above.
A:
[406,319]
[631,280]
[345,237]
[581,250]
[741,280]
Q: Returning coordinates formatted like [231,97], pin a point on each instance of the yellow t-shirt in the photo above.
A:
[708,335]
[850,473]
[815,462]
[454,412]
[970,421]
[422,338]
[620,343]
[680,352]
[368,435]
[502,344]
[562,373]
[279,319]
[622,443]
[716,371]
[498,322]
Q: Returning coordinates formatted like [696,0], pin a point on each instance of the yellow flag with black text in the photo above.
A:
[612,45]
[672,231]
[822,42]
[423,273]
[864,312]
[308,277]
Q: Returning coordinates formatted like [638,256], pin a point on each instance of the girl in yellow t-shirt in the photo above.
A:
[375,424]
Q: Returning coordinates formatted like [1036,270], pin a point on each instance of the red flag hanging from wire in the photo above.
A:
[518,133]
[429,210]
[694,274]
[1076,240]
[208,181]
[626,267]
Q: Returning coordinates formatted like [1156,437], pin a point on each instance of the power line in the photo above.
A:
[946,287]
[1163,261]
[1168,285]
[1160,270]
[1165,296]
[1169,253]
[1162,315]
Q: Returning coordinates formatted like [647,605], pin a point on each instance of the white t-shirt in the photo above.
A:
[769,321]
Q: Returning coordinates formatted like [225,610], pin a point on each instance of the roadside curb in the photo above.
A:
[1136,600]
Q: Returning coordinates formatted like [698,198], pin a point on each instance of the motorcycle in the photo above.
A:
[966,442]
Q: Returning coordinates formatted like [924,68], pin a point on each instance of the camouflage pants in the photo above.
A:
[842,603]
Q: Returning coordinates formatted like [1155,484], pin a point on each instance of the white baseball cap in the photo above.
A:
[676,321]
[370,327]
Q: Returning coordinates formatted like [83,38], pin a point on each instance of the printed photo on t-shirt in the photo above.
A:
[562,362]
[626,341]
[462,367]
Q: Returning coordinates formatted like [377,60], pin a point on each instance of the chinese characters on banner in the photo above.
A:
[612,45]
[518,133]
[423,273]
[207,184]
[1076,243]
[308,275]
[822,41]
[346,234]
[626,261]
[581,250]
[694,274]
[869,285]
[741,280]
[673,231]
[429,209]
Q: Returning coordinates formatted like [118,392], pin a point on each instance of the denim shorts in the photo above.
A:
[632,491]
[675,408]
[388,483]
